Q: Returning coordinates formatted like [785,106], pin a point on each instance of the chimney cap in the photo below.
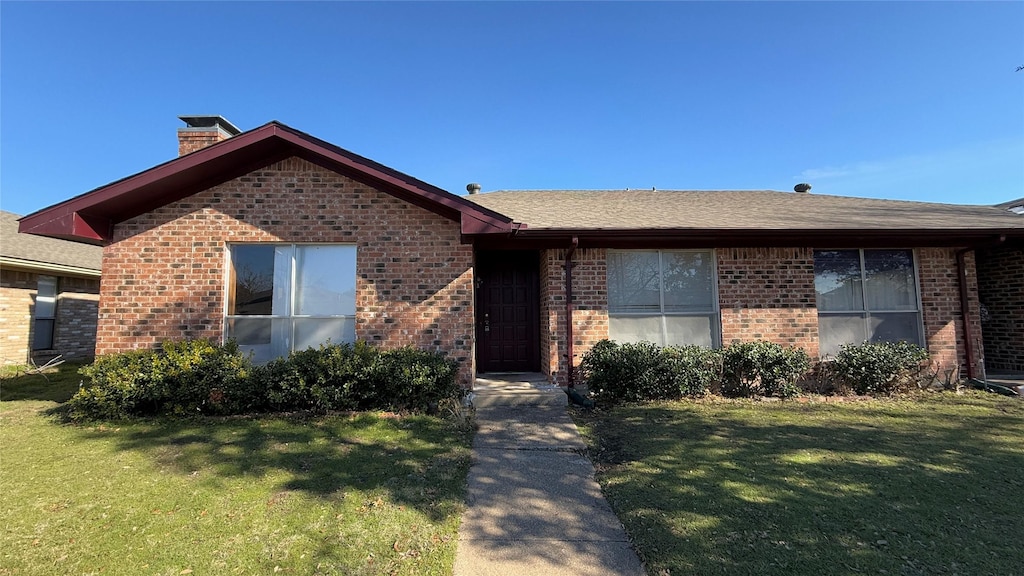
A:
[802,188]
[473,188]
[208,122]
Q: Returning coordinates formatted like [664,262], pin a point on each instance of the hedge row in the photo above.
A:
[642,371]
[200,377]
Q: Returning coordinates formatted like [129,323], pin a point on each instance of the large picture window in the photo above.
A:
[866,295]
[290,297]
[662,296]
[45,313]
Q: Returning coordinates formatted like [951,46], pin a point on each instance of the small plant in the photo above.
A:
[762,368]
[880,367]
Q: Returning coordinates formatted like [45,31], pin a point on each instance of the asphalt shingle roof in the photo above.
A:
[731,209]
[45,250]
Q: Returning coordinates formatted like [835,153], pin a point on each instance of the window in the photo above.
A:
[662,296]
[284,298]
[45,313]
[866,295]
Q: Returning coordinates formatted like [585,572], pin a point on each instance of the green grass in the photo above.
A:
[362,494]
[929,485]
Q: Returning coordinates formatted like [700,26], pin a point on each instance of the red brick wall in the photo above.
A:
[764,294]
[165,272]
[590,302]
[1001,291]
[768,294]
[75,326]
[940,303]
[191,140]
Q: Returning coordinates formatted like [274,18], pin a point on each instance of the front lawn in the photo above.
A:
[363,494]
[930,485]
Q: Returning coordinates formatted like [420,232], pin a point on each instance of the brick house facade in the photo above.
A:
[486,278]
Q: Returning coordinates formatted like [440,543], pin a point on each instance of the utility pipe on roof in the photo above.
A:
[568,310]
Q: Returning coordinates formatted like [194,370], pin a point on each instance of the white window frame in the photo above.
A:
[290,314]
[864,311]
[714,314]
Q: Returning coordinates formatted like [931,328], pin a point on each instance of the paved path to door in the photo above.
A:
[533,504]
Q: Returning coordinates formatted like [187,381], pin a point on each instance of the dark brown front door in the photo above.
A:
[508,318]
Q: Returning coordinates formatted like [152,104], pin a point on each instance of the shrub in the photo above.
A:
[762,368]
[695,369]
[187,377]
[641,371]
[410,379]
[879,367]
[199,377]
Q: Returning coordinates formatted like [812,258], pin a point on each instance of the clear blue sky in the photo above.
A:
[915,101]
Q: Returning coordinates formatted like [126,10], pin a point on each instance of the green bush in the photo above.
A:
[879,367]
[695,369]
[762,368]
[187,377]
[199,377]
[641,371]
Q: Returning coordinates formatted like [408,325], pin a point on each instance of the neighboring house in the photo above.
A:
[282,241]
[1001,291]
[49,292]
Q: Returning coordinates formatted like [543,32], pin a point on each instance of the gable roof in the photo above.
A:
[785,216]
[45,254]
[91,217]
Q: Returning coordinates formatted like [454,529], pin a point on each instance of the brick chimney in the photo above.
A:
[203,131]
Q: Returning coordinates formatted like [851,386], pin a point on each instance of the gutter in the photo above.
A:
[568,310]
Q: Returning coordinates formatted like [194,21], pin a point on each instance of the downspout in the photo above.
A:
[568,310]
[961,269]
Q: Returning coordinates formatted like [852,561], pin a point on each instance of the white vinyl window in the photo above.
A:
[45,313]
[667,297]
[287,297]
[866,295]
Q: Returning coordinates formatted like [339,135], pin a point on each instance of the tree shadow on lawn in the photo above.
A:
[421,462]
[816,490]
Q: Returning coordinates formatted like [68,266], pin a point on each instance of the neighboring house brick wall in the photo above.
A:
[768,294]
[940,303]
[165,271]
[1001,291]
[590,307]
[17,299]
[77,308]
[75,326]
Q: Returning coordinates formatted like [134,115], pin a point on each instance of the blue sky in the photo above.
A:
[916,101]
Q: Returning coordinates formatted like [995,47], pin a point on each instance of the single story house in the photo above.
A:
[283,241]
[49,296]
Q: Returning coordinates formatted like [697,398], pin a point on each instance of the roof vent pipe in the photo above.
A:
[473,188]
[802,188]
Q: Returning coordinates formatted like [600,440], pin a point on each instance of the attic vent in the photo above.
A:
[473,188]
[802,188]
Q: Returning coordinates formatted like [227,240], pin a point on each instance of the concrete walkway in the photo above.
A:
[534,507]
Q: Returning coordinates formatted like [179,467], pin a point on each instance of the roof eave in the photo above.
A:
[743,237]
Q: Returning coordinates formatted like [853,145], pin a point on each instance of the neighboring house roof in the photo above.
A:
[45,254]
[786,216]
[91,217]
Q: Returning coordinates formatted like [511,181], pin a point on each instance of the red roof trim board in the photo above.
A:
[91,217]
